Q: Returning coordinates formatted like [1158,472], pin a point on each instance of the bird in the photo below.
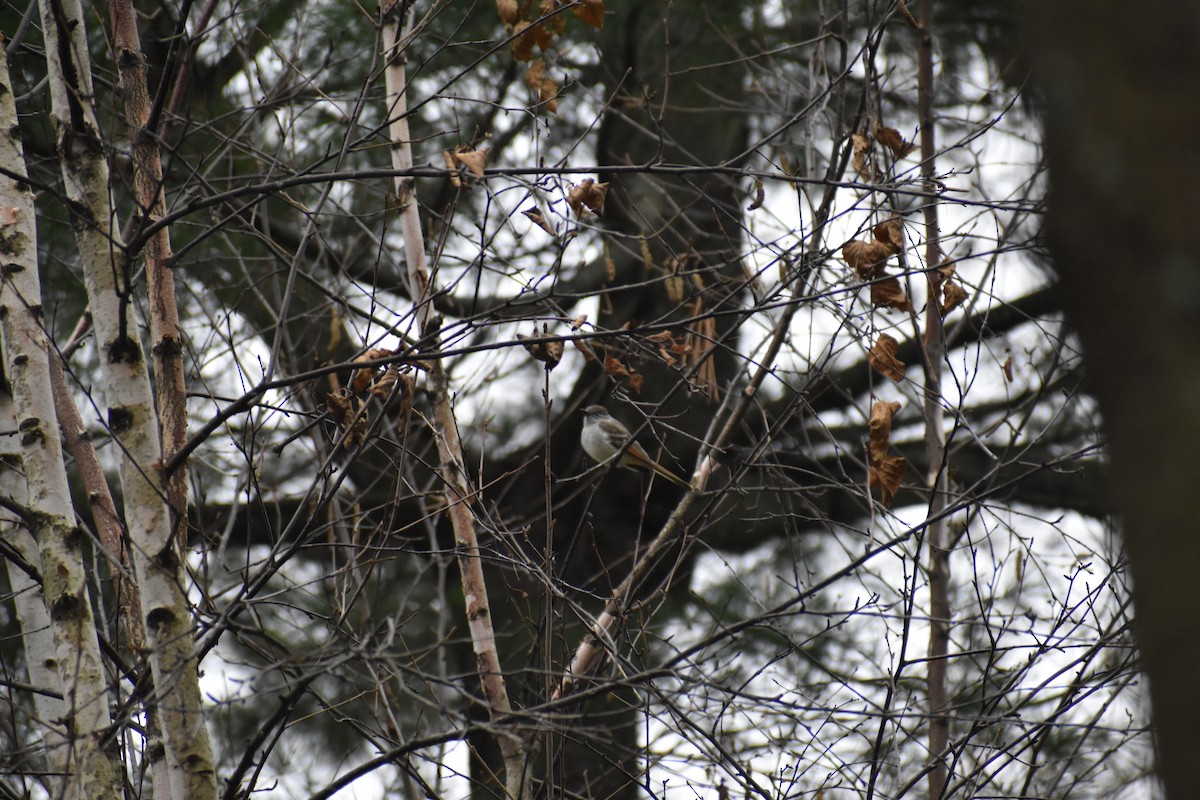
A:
[603,437]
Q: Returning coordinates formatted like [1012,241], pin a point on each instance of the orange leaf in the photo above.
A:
[887,293]
[507,9]
[558,22]
[585,349]
[362,378]
[528,36]
[614,367]
[892,140]
[590,12]
[547,89]
[883,358]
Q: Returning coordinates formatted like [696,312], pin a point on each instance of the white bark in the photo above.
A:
[453,469]
[41,661]
[177,703]
[52,521]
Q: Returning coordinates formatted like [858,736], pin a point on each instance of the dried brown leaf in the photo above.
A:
[866,258]
[892,140]
[880,427]
[887,475]
[587,195]
[759,194]
[590,12]
[890,233]
[635,382]
[1007,367]
[883,358]
[474,160]
[448,158]
[538,218]
[558,22]
[953,296]
[886,293]
[408,390]
[363,377]
[614,367]
[884,471]
[863,164]
[549,353]
[546,88]
[508,11]
[383,386]
[902,10]
[586,350]
[529,35]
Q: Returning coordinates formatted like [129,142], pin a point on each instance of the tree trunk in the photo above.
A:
[1120,87]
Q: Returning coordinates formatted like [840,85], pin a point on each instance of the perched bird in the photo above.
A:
[603,437]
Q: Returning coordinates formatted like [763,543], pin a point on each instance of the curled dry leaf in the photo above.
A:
[590,12]
[464,157]
[883,358]
[350,416]
[886,293]
[887,474]
[863,164]
[614,368]
[387,380]
[635,382]
[1007,367]
[902,10]
[527,36]
[408,390]
[953,296]
[538,218]
[364,377]
[545,87]
[890,233]
[549,353]
[759,194]
[866,258]
[558,22]
[884,471]
[585,350]
[666,345]
[508,11]
[892,140]
[474,160]
[578,322]
[587,195]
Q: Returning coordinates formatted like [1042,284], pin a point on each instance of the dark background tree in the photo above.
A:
[1126,246]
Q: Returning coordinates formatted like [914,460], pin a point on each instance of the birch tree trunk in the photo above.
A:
[176,702]
[51,517]
[452,467]
[40,660]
